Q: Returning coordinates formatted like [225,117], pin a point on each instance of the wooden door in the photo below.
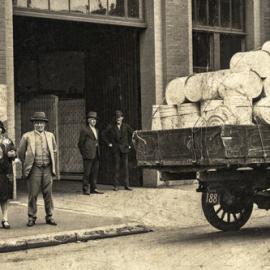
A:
[47,104]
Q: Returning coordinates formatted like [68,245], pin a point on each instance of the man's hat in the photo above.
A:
[2,127]
[92,115]
[118,114]
[39,116]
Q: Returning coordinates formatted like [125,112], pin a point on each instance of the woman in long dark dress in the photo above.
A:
[7,154]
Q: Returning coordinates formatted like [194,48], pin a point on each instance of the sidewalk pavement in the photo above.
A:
[74,223]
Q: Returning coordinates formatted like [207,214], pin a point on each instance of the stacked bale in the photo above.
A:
[207,106]
[239,95]
[221,115]
[258,61]
[168,116]
[189,115]
[175,93]
[241,107]
[156,121]
[245,83]
[262,111]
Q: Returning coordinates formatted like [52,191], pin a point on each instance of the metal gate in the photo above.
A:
[71,118]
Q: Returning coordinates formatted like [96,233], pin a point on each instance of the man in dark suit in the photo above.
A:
[89,147]
[118,136]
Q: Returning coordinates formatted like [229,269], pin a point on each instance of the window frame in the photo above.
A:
[217,31]
[196,23]
[87,16]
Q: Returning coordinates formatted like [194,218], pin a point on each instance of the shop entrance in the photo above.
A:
[82,67]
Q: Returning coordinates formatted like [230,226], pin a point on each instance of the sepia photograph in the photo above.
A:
[134,134]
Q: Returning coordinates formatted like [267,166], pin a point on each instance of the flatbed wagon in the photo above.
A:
[230,162]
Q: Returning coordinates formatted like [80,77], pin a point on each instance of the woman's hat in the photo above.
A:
[2,127]
[39,116]
[92,115]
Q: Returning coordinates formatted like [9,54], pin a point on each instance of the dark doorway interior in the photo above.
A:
[81,62]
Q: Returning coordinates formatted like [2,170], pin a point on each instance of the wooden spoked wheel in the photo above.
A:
[229,214]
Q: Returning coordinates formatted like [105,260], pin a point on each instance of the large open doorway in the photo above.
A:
[77,67]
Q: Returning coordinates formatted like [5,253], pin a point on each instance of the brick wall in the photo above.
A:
[265,20]
[166,50]
[178,38]
[147,66]
[2,43]
[249,24]
[6,59]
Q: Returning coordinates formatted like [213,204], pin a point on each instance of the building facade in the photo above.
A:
[70,56]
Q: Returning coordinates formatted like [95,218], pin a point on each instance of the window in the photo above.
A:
[213,11]
[38,4]
[202,44]
[20,3]
[229,45]
[237,14]
[225,15]
[57,5]
[220,13]
[218,32]
[79,6]
[202,12]
[117,8]
[133,8]
[98,7]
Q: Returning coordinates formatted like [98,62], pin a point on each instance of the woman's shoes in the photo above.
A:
[5,225]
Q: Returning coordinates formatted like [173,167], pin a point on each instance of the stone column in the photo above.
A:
[6,60]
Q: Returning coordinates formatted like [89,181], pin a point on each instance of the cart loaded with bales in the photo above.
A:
[219,135]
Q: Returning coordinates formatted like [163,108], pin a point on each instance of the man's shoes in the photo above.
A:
[95,191]
[86,193]
[115,188]
[51,221]
[31,223]
[128,188]
[5,225]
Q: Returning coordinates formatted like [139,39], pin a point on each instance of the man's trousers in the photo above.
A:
[121,162]
[90,174]
[40,178]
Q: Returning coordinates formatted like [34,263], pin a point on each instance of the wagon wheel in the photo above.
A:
[228,215]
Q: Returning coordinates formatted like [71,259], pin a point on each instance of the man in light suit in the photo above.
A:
[89,148]
[37,152]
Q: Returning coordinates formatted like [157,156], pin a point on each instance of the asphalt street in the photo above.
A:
[198,247]
[181,237]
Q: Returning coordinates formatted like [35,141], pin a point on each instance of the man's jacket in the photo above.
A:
[26,151]
[120,139]
[88,144]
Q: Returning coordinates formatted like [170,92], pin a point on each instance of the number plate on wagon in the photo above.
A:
[212,197]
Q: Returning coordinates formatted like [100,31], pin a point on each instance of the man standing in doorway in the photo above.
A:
[118,136]
[37,151]
[89,148]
